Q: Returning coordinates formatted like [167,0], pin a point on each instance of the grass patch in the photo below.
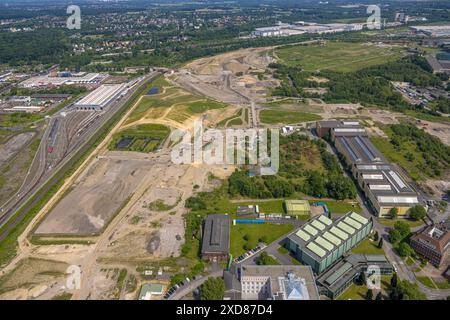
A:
[203,106]
[342,207]
[271,116]
[159,205]
[141,138]
[63,296]
[410,222]
[426,281]
[358,292]
[282,250]
[337,56]
[367,247]
[247,236]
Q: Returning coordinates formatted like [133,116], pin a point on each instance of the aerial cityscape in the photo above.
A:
[169,150]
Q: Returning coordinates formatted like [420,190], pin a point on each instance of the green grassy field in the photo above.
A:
[267,231]
[358,292]
[272,116]
[388,150]
[184,103]
[368,247]
[391,222]
[337,56]
[141,138]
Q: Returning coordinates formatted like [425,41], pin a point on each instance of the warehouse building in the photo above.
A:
[276,282]
[383,186]
[216,237]
[48,80]
[324,128]
[100,97]
[295,208]
[321,242]
[432,242]
[341,275]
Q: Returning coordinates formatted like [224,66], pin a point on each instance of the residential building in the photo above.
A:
[343,273]
[432,242]
[216,237]
[275,282]
[321,242]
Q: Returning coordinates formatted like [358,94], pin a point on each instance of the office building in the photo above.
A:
[276,282]
[432,242]
[343,273]
[321,242]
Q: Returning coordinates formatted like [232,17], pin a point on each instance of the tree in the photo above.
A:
[403,228]
[379,296]
[404,250]
[393,212]
[417,212]
[409,291]
[362,278]
[265,259]
[212,289]
[380,243]
[394,280]
[375,236]
[394,236]
[369,294]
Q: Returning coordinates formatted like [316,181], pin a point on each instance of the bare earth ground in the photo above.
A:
[95,197]
[13,145]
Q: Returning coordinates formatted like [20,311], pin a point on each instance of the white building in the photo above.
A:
[279,282]
[100,97]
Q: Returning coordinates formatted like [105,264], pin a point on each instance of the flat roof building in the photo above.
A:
[343,273]
[276,282]
[384,187]
[324,128]
[216,237]
[100,97]
[47,80]
[432,242]
[321,241]
[433,31]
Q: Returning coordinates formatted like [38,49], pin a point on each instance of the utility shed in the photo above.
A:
[216,237]
[297,207]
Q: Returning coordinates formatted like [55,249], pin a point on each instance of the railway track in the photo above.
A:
[42,184]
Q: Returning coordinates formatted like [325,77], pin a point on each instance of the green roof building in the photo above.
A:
[321,242]
[297,208]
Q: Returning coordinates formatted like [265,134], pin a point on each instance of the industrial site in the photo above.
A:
[95,206]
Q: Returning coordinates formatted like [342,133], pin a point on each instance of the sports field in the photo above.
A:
[337,56]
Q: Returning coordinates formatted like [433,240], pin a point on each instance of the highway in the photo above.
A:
[48,168]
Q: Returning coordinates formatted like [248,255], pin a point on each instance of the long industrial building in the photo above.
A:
[321,242]
[100,97]
[342,274]
[383,186]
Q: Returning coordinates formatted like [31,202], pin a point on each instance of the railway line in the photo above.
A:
[76,131]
